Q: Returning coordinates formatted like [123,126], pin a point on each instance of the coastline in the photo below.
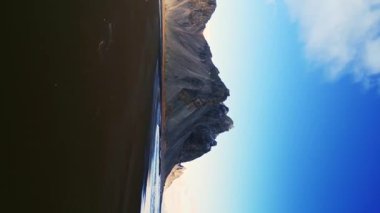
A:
[162,142]
[163,66]
[151,188]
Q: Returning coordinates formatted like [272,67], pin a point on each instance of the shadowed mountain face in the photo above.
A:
[195,113]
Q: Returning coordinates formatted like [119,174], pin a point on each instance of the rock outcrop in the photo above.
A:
[176,172]
[194,93]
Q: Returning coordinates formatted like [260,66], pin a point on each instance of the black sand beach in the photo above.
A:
[79,113]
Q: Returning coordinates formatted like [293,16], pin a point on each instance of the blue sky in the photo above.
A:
[306,136]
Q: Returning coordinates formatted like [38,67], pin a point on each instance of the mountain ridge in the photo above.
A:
[194,93]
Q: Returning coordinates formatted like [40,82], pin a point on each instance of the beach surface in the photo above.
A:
[82,105]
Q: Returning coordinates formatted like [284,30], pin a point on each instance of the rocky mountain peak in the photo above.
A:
[195,113]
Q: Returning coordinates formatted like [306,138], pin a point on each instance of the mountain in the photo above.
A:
[193,94]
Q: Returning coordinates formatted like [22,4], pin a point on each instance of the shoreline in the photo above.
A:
[163,63]
[151,189]
[162,140]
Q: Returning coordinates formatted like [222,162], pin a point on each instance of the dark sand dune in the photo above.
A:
[79,117]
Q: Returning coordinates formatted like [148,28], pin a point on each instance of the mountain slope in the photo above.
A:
[194,93]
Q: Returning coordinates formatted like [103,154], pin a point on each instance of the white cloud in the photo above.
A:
[344,35]
[372,56]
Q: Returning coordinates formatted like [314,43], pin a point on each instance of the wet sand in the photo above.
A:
[79,121]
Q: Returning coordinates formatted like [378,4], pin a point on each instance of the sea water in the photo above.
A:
[151,194]
[151,191]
